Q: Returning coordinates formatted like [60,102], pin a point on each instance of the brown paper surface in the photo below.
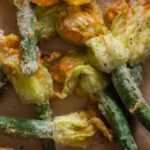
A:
[10,104]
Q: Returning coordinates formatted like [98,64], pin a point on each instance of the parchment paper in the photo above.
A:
[10,104]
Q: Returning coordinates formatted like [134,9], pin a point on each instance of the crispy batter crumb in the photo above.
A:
[135,107]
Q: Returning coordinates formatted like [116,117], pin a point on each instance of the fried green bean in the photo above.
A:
[27,23]
[25,128]
[136,73]
[116,119]
[131,95]
[45,112]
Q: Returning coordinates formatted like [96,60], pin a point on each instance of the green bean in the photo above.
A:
[116,119]
[27,23]
[136,73]
[45,112]
[131,95]
[25,128]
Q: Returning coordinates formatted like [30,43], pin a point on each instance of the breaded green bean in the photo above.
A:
[131,95]
[27,23]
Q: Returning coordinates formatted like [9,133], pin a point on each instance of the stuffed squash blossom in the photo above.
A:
[85,26]
[132,26]
[71,72]
[77,129]
[77,24]
[36,89]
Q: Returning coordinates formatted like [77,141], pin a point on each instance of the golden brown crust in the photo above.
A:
[135,107]
[44,3]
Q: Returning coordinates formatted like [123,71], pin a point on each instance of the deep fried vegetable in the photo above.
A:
[73,130]
[117,48]
[106,52]
[36,89]
[82,26]
[115,8]
[25,128]
[116,119]
[89,78]
[65,63]
[132,26]
[44,3]
[46,25]
[77,24]
[131,95]
[77,2]
[27,22]
[72,71]
[91,82]
[136,73]
[46,20]
[44,112]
